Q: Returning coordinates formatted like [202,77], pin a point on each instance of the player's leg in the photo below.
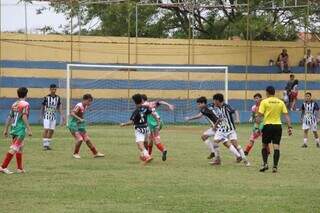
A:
[91,146]
[19,155]
[141,138]
[46,125]
[234,142]
[253,137]
[78,138]
[207,138]
[277,134]
[157,140]
[52,126]
[15,146]
[305,138]
[266,140]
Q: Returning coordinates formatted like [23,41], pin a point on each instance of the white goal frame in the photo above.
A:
[143,67]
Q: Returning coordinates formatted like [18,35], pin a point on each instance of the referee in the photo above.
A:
[270,111]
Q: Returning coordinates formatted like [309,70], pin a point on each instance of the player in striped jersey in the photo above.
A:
[207,136]
[139,120]
[77,127]
[18,120]
[50,105]
[227,130]
[154,132]
[310,118]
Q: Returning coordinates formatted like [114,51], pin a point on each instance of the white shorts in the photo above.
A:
[225,136]
[141,135]
[313,127]
[49,124]
[209,132]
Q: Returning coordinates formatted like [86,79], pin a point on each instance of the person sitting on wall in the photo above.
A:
[283,61]
[309,61]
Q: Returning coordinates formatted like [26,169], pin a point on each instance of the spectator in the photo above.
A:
[318,61]
[288,90]
[309,60]
[294,95]
[283,61]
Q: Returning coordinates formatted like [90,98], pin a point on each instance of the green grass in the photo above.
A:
[55,182]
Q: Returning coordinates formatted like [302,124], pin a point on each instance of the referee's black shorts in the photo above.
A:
[271,133]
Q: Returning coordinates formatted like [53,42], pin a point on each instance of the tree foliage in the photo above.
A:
[266,22]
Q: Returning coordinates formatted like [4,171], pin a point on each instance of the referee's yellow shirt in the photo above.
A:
[272,109]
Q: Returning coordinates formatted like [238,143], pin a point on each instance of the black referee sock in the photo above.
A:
[276,157]
[264,153]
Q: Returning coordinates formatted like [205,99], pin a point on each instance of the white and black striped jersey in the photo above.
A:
[309,110]
[207,111]
[225,115]
[51,104]
[139,117]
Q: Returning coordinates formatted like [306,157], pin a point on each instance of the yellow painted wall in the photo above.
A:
[146,50]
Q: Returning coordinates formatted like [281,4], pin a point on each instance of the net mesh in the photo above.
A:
[112,88]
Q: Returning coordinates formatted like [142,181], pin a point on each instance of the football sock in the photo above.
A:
[317,140]
[7,160]
[216,150]
[77,147]
[234,151]
[240,150]
[49,141]
[150,146]
[160,146]
[264,153]
[249,147]
[45,142]
[209,145]
[276,157]
[145,153]
[19,160]
[305,140]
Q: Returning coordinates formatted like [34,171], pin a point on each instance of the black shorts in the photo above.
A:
[271,133]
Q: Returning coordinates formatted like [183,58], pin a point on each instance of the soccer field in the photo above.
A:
[55,182]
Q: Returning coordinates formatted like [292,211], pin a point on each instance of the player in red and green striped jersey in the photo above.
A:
[18,120]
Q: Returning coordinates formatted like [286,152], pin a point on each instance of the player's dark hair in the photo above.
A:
[292,76]
[257,95]
[202,100]
[144,97]
[22,92]
[308,93]
[137,98]
[53,86]
[218,97]
[270,90]
[87,97]
[295,82]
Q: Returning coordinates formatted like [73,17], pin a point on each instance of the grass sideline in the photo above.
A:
[55,182]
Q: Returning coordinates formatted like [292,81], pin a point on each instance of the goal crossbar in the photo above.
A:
[141,67]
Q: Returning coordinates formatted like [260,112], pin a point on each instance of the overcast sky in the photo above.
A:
[13,18]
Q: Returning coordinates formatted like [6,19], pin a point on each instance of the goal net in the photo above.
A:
[112,87]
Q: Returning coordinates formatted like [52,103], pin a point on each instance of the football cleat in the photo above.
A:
[318,145]
[47,148]
[264,168]
[21,171]
[164,155]
[5,171]
[304,145]
[99,155]
[211,155]
[246,153]
[148,159]
[246,163]
[274,170]
[215,162]
[239,159]
[76,156]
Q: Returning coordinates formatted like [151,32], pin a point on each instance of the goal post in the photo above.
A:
[163,81]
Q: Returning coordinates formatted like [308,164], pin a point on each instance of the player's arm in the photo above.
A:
[302,114]
[237,116]
[287,118]
[7,124]
[73,114]
[169,106]
[127,123]
[26,122]
[195,117]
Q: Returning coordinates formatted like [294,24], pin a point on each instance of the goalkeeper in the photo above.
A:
[257,129]
[154,129]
